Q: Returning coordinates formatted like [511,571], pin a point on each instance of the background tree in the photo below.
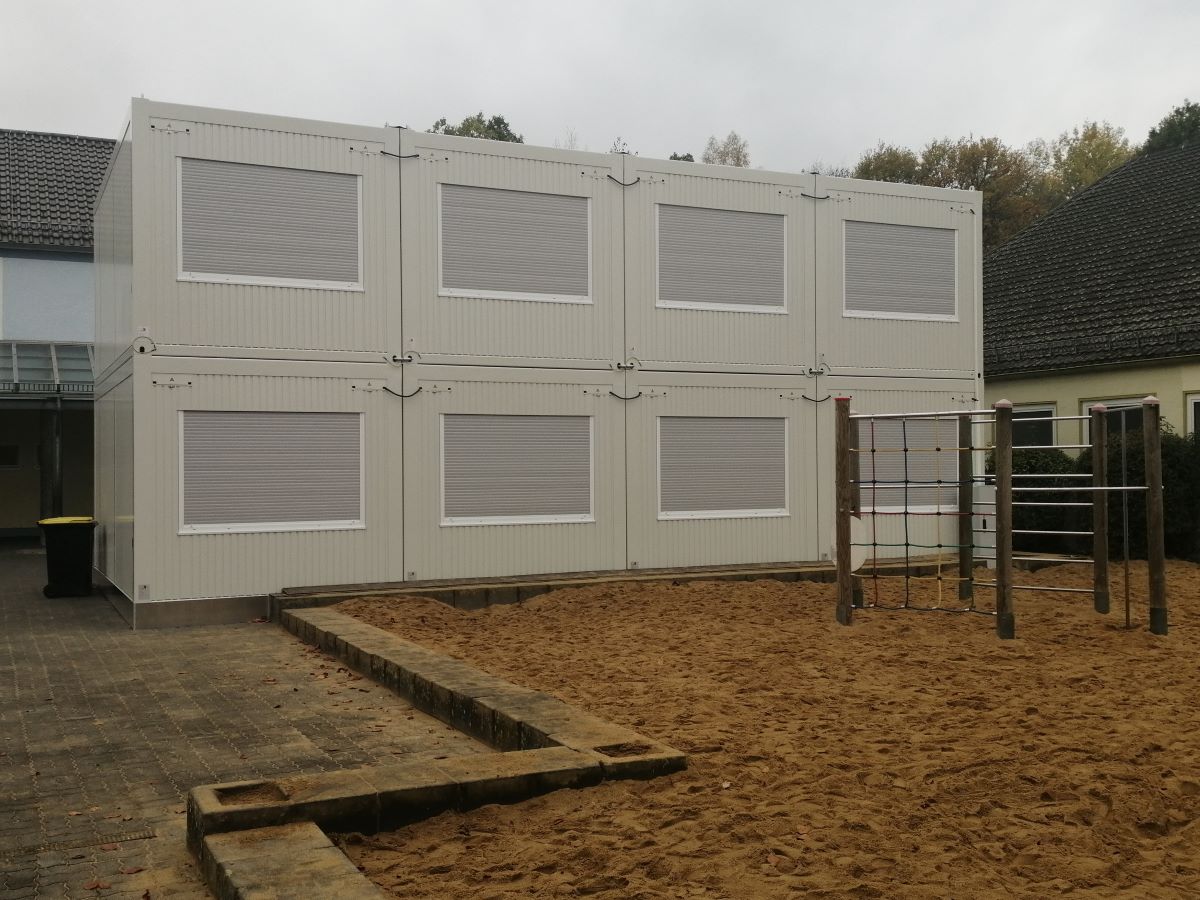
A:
[888,162]
[732,151]
[619,145]
[820,168]
[569,140]
[1179,128]
[495,128]
[1078,158]
[682,157]
[1012,183]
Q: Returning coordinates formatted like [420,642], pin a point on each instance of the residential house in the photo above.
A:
[1099,302]
[48,185]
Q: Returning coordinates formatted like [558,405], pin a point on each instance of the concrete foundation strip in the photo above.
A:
[254,839]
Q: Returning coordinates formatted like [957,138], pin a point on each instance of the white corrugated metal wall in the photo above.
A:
[710,293]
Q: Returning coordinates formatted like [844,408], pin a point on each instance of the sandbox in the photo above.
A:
[912,755]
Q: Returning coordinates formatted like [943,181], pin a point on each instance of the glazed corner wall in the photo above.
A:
[1170,381]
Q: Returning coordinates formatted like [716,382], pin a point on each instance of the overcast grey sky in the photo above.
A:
[801,81]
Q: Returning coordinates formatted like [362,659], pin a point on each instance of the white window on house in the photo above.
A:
[1028,430]
[712,467]
[900,271]
[1192,401]
[721,259]
[270,471]
[1123,412]
[510,470]
[908,464]
[250,224]
[514,245]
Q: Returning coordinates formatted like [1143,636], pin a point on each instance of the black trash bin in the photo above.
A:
[68,555]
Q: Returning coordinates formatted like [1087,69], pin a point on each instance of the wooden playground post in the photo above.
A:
[966,506]
[856,584]
[843,502]
[1099,429]
[1005,624]
[1155,542]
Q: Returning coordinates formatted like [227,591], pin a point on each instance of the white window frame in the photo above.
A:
[779,513]
[255,280]
[900,507]
[1050,409]
[358,524]
[848,313]
[475,521]
[461,293]
[1086,410]
[754,308]
[1190,417]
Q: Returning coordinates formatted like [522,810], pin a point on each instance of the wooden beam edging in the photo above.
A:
[469,595]
[545,745]
[280,861]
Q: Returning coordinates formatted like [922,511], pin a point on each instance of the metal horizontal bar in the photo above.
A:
[1050,419]
[1038,587]
[868,511]
[1080,503]
[1049,559]
[1047,475]
[895,484]
[1041,531]
[1054,447]
[1068,503]
[1081,488]
[926,415]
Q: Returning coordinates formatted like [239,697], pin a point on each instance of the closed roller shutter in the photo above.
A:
[900,270]
[923,463]
[722,465]
[242,468]
[515,243]
[263,222]
[721,257]
[516,468]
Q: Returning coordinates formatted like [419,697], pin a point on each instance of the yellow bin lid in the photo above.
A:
[67,520]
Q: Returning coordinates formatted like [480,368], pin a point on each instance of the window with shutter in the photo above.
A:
[716,467]
[250,224]
[721,259]
[501,469]
[930,465]
[900,271]
[514,245]
[270,471]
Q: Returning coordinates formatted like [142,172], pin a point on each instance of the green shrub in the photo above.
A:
[1181,494]
[1042,518]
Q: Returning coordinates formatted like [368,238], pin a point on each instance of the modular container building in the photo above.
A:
[333,354]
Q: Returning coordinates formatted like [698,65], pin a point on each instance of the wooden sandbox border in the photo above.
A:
[254,837]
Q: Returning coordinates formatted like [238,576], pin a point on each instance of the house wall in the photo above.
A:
[46,297]
[617,357]
[25,488]
[1170,381]
[21,486]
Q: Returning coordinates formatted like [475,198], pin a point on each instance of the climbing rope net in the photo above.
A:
[908,489]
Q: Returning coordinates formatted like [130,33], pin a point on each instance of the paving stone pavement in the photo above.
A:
[104,730]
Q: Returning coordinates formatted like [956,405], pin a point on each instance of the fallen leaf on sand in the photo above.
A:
[109,847]
[96,885]
[131,870]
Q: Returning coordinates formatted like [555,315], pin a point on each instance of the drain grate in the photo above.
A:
[80,843]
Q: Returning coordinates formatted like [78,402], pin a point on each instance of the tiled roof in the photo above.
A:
[48,185]
[1111,276]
